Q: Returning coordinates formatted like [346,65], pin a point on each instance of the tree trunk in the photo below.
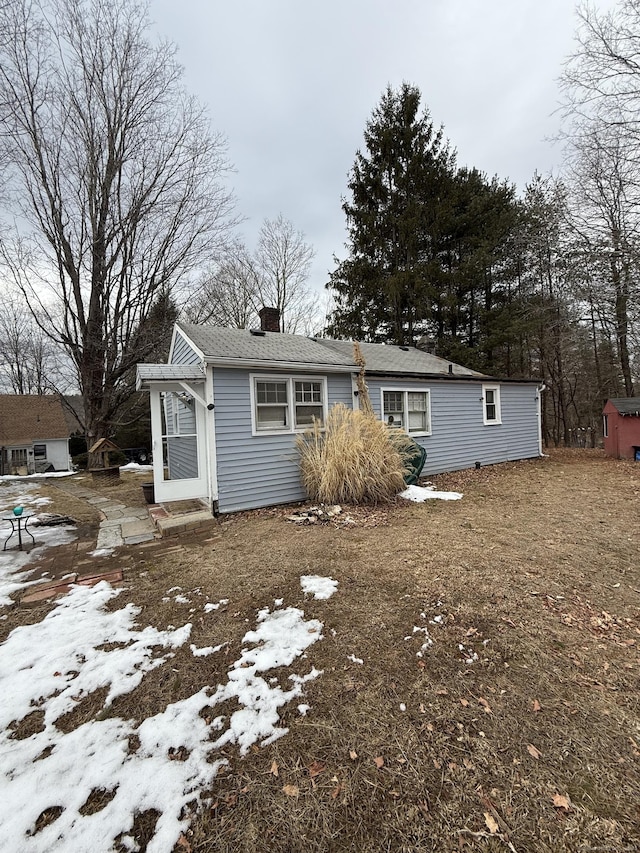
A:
[621,287]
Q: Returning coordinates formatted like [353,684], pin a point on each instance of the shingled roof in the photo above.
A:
[388,358]
[221,345]
[627,405]
[25,418]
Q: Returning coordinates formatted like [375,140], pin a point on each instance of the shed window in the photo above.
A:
[288,404]
[491,404]
[408,410]
[39,451]
[605,426]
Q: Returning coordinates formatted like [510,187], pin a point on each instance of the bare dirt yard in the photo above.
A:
[479,685]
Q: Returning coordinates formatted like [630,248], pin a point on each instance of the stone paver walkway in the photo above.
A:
[121,524]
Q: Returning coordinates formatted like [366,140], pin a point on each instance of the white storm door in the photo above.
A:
[179,449]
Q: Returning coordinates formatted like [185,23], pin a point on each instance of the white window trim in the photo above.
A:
[406,390]
[290,379]
[605,426]
[498,405]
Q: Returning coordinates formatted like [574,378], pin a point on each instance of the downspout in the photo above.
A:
[539,391]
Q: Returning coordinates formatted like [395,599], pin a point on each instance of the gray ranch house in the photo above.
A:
[226,408]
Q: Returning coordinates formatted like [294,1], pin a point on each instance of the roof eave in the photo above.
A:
[167,373]
[456,377]
[286,366]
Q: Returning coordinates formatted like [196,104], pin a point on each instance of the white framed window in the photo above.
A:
[281,404]
[271,405]
[605,426]
[39,451]
[491,413]
[408,409]
[308,402]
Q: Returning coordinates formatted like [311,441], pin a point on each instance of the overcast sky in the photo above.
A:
[292,83]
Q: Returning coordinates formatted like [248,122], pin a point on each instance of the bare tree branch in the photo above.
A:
[284,260]
[115,170]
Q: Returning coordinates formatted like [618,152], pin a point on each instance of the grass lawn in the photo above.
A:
[479,685]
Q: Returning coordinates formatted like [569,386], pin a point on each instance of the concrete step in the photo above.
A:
[194,522]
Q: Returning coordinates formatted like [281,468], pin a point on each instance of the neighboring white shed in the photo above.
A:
[34,434]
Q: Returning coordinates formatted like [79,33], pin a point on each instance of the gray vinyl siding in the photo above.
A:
[257,470]
[183,352]
[459,438]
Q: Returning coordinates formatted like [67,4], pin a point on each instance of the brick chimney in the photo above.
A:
[269,319]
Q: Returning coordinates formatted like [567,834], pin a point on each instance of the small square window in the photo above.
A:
[39,451]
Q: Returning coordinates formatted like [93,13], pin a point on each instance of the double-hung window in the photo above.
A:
[491,404]
[408,410]
[308,403]
[272,405]
[39,451]
[287,404]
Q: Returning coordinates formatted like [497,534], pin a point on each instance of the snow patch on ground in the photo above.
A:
[9,478]
[80,647]
[318,586]
[206,650]
[16,567]
[101,552]
[210,606]
[419,494]
[19,494]
[55,663]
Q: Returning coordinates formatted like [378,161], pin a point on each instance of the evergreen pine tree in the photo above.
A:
[385,287]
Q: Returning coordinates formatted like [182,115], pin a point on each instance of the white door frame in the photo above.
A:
[184,489]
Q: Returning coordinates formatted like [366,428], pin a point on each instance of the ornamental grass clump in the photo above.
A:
[354,459]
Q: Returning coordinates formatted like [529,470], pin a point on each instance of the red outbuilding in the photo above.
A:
[621,428]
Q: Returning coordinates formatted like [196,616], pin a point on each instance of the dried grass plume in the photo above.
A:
[354,459]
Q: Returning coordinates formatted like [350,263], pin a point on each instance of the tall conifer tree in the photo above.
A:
[385,287]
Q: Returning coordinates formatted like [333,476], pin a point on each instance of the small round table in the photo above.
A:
[19,525]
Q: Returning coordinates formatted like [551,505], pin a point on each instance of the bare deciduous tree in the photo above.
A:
[605,217]
[601,79]
[115,170]
[29,363]
[233,291]
[601,84]
[284,261]
[227,294]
